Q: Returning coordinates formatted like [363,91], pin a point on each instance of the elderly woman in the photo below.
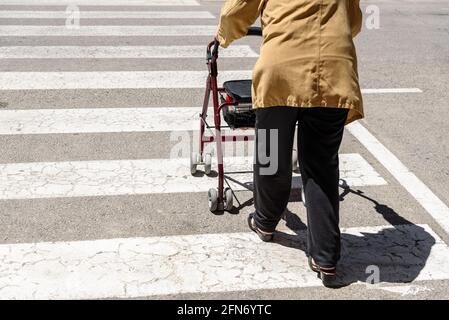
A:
[306,73]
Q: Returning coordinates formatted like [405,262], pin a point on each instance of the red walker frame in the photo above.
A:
[220,198]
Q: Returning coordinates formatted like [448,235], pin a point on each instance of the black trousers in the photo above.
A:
[319,138]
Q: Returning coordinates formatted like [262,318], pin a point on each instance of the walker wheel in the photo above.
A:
[207,163]
[295,166]
[303,195]
[228,199]
[212,196]
[194,161]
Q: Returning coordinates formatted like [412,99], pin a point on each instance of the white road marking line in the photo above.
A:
[124,177]
[120,52]
[99,120]
[139,267]
[106,31]
[116,80]
[13,14]
[428,200]
[103,2]
[112,79]
[392,90]
[405,290]
[356,171]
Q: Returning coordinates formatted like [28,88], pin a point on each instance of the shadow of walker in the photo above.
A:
[395,254]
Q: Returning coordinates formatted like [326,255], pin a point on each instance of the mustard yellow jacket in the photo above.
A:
[307,58]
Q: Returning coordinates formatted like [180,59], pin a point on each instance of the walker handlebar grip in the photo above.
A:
[212,49]
[254,31]
[215,47]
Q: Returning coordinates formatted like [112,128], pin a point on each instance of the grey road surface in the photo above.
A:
[410,49]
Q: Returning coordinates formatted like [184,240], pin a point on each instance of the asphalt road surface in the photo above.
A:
[96,127]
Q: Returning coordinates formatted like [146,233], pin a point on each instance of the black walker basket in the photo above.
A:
[237,118]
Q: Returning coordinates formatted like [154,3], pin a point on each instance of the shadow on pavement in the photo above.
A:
[400,252]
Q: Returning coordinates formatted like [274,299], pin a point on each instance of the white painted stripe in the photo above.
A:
[112,79]
[12,14]
[106,31]
[356,171]
[99,120]
[392,90]
[120,52]
[430,202]
[116,80]
[139,267]
[103,2]
[124,177]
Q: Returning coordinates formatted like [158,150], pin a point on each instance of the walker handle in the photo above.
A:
[214,51]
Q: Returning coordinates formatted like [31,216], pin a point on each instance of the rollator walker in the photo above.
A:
[234,101]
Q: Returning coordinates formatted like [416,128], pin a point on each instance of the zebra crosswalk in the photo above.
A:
[123,52]
[106,178]
[112,79]
[107,31]
[136,267]
[104,2]
[156,264]
[129,80]
[11,14]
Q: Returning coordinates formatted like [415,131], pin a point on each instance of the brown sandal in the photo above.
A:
[263,235]
[327,275]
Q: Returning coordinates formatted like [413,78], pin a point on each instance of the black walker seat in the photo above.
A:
[241,113]
[239,90]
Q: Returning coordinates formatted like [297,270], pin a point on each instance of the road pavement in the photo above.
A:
[96,128]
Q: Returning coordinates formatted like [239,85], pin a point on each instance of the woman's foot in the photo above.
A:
[328,275]
[263,235]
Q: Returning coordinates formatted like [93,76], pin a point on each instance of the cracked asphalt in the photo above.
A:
[410,50]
